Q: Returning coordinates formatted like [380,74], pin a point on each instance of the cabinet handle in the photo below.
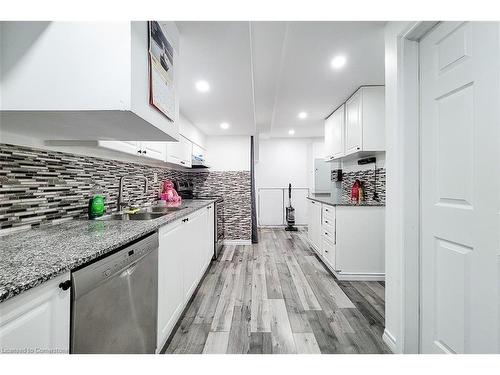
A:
[326,209]
[182,162]
[139,151]
[326,221]
[326,233]
[144,152]
[65,285]
[184,220]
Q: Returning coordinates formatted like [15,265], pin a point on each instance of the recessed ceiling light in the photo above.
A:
[224,125]
[291,132]
[202,86]
[338,62]
[302,115]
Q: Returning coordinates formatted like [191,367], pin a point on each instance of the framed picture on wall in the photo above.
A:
[161,71]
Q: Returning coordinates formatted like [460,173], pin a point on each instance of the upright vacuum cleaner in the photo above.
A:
[290,212]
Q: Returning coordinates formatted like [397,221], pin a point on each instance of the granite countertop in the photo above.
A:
[32,257]
[327,199]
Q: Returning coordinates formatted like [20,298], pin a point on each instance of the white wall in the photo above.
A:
[228,153]
[283,161]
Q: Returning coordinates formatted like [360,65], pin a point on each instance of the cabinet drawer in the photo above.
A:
[328,213]
[329,235]
[327,246]
[328,221]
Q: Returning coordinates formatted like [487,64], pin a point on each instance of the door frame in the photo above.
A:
[406,149]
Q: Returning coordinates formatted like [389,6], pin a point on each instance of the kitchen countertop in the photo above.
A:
[327,199]
[32,257]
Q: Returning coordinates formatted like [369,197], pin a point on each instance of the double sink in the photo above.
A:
[145,213]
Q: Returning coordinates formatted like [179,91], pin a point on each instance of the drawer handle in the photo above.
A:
[184,220]
[326,221]
[326,233]
[65,285]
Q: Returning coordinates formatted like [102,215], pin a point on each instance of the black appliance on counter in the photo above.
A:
[186,191]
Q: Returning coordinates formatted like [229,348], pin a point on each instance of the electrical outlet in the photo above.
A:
[155,177]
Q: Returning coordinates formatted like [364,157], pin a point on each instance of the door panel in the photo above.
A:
[338,132]
[353,130]
[460,202]
[154,150]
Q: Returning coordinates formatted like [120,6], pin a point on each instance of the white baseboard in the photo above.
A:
[349,276]
[354,276]
[236,242]
[389,339]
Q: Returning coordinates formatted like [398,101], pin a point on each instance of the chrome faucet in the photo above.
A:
[119,203]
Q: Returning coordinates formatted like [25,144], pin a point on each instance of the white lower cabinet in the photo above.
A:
[194,257]
[170,278]
[182,260]
[37,321]
[349,239]
[314,223]
[211,232]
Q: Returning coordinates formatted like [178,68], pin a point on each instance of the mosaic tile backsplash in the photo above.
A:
[42,187]
[371,184]
[234,186]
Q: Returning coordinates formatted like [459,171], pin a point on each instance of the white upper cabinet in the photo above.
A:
[81,81]
[353,131]
[334,134]
[181,152]
[329,138]
[152,150]
[365,120]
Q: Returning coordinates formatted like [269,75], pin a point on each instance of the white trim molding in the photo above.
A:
[390,341]
[236,242]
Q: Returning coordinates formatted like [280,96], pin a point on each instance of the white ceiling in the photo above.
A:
[262,74]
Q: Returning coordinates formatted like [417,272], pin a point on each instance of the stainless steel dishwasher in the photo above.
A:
[114,301]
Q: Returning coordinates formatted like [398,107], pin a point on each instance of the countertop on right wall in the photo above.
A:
[332,201]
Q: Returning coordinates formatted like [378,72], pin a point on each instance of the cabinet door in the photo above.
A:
[210,240]
[329,129]
[128,147]
[180,152]
[187,152]
[194,256]
[37,321]
[338,126]
[172,249]
[314,224]
[353,126]
[154,150]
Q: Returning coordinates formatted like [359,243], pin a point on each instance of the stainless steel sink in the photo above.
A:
[163,209]
[137,216]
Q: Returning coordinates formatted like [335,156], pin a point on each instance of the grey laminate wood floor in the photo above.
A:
[277,297]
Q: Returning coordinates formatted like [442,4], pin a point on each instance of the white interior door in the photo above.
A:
[460,78]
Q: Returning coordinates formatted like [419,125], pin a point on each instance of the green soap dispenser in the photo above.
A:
[96,205]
